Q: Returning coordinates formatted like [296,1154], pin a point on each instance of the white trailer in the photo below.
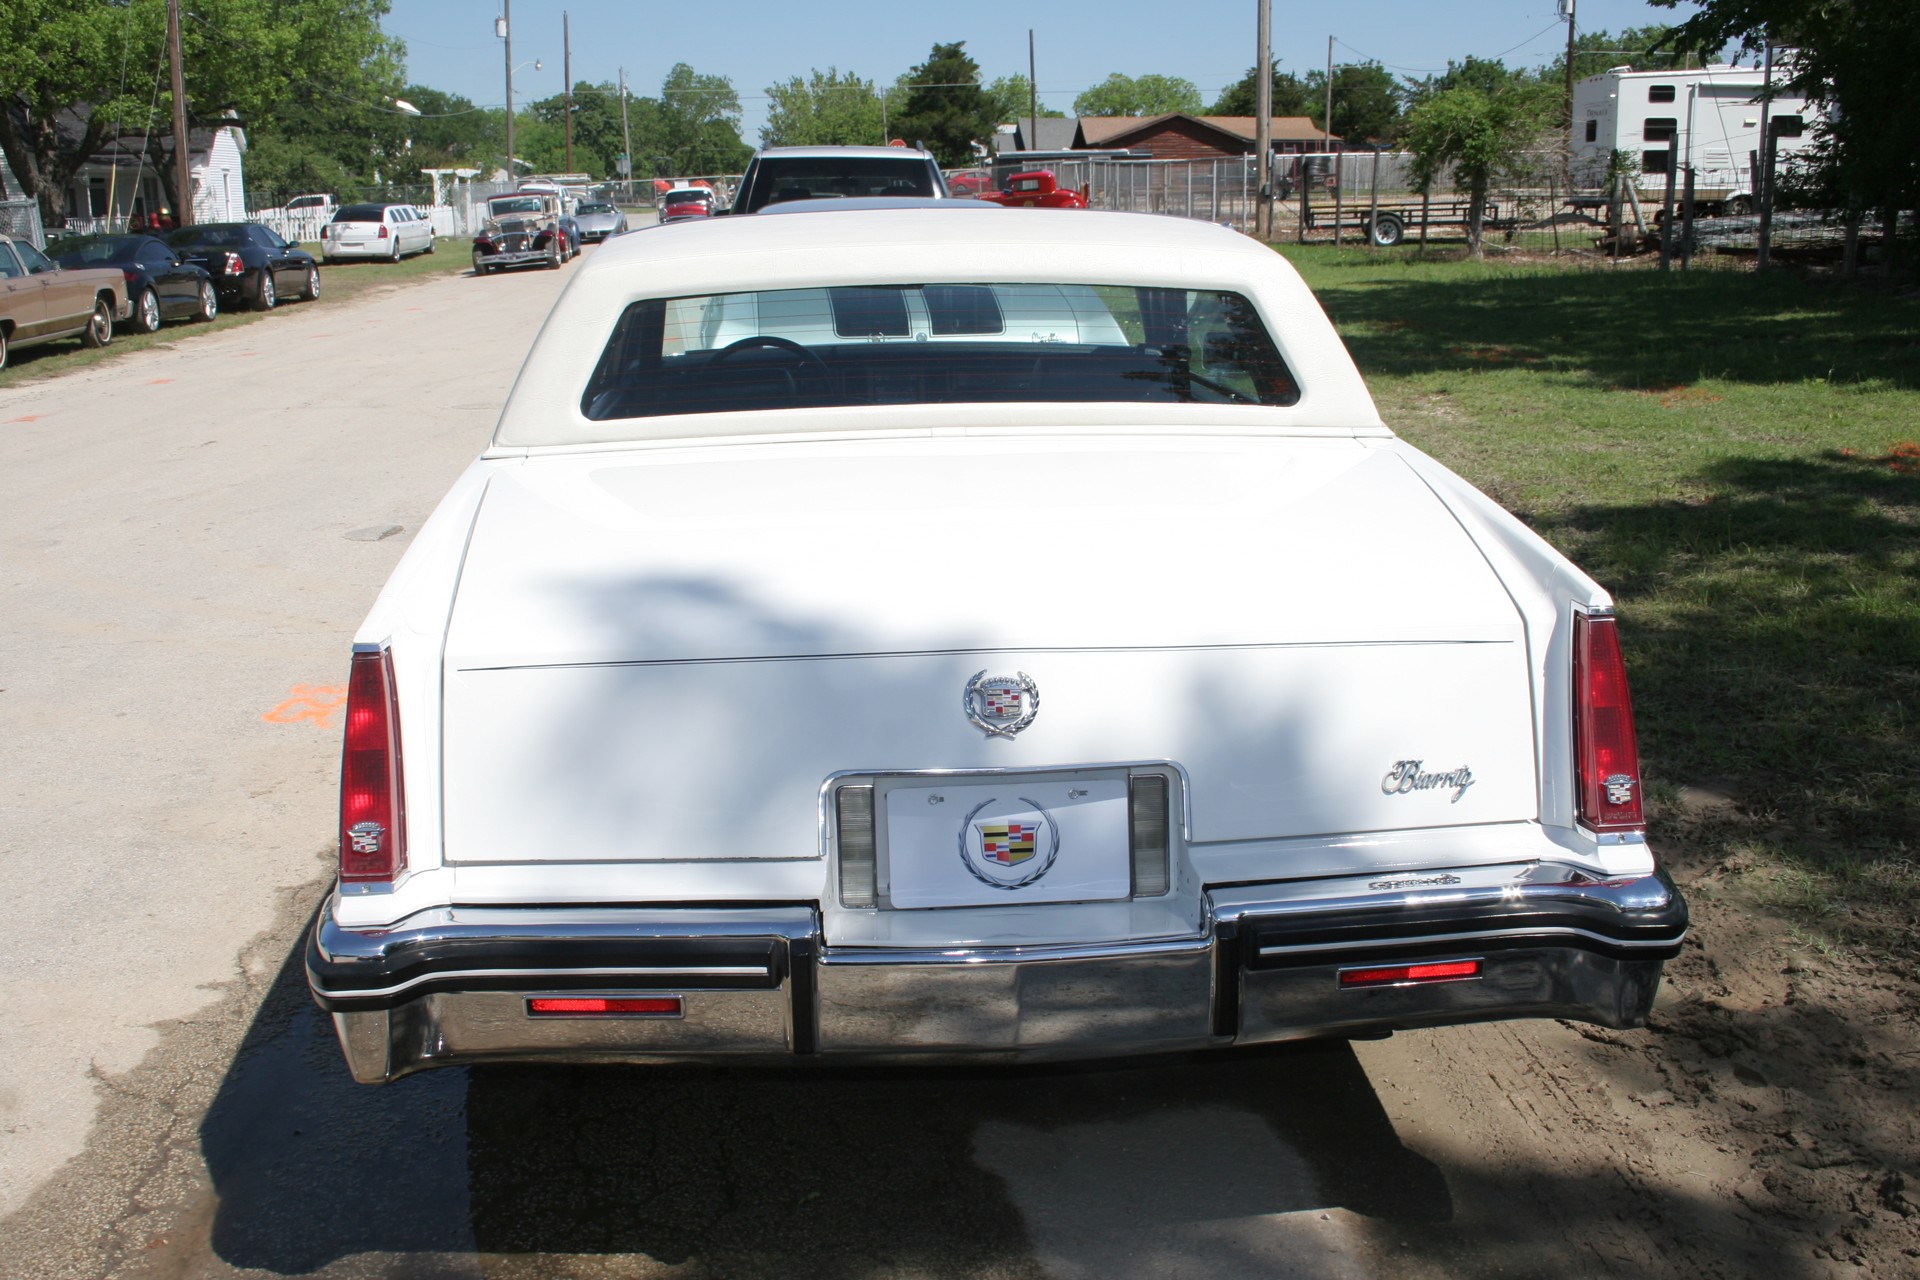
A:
[1707,117]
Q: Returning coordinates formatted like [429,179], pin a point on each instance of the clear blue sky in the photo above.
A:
[756,43]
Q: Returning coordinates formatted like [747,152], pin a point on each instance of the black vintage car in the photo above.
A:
[161,285]
[249,263]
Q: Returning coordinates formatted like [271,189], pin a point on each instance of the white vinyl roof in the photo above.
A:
[922,245]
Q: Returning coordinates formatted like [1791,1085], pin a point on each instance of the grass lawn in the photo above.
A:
[1734,457]
[339,282]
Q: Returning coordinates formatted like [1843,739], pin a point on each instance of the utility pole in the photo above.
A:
[1263,128]
[626,134]
[1033,99]
[182,167]
[1763,176]
[505,31]
[566,64]
[1329,120]
[1568,4]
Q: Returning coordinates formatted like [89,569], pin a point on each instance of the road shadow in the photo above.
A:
[822,1171]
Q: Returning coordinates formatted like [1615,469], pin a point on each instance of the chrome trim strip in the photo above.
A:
[1483,935]
[454,976]
[1014,955]
[957,653]
[1641,893]
[559,924]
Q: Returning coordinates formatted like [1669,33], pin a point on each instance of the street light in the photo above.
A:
[503,28]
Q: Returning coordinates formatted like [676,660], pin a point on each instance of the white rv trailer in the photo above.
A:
[1707,117]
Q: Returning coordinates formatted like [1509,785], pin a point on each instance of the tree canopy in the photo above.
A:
[824,109]
[1291,96]
[1148,95]
[1479,132]
[1013,102]
[1855,58]
[946,110]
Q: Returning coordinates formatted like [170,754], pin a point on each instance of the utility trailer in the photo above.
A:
[1708,118]
[1394,220]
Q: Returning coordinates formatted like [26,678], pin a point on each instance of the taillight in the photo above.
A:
[133,277]
[1406,975]
[324,228]
[232,265]
[373,845]
[383,231]
[1605,752]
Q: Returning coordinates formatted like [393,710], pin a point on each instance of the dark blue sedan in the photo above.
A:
[161,285]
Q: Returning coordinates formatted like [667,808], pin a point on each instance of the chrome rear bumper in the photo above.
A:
[453,985]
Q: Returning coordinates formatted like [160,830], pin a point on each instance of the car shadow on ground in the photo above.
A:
[827,1171]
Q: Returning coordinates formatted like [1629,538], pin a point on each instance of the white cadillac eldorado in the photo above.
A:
[917,633]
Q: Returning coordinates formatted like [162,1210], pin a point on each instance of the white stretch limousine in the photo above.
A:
[917,633]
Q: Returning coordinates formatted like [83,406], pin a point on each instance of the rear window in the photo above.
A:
[359,213]
[596,208]
[781,178]
[935,344]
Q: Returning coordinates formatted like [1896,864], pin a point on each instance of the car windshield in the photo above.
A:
[220,235]
[95,250]
[507,206]
[811,178]
[359,213]
[596,208]
[936,344]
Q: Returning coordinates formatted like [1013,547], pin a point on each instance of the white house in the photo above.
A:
[118,182]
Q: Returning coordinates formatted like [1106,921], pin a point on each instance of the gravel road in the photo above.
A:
[190,536]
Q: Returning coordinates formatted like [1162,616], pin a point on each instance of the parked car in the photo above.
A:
[918,634]
[597,219]
[817,173]
[1036,189]
[685,203]
[389,231]
[524,228]
[250,264]
[42,301]
[162,285]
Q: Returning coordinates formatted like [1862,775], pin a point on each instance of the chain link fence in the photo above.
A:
[21,220]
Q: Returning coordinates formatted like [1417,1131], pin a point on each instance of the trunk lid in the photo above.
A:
[665,656]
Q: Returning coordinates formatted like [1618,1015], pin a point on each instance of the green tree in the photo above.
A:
[946,110]
[1853,57]
[1148,95]
[1012,101]
[1290,96]
[265,63]
[1366,101]
[597,139]
[1648,48]
[1477,133]
[700,122]
[825,109]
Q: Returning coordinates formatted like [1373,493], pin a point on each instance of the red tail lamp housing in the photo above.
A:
[383,231]
[1402,975]
[603,1006]
[373,827]
[1606,754]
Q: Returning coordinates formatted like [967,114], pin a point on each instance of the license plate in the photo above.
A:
[1015,839]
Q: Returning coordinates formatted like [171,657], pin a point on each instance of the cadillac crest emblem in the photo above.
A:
[1002,705]
[1008,844]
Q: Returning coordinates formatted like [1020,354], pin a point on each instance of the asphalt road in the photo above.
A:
[188,539]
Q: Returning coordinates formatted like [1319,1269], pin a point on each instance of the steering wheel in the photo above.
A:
[754,342]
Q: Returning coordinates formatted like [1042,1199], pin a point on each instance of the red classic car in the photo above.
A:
[1037,189]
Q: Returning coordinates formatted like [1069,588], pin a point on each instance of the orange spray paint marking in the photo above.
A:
[31,417]
[158,382]
[315,702]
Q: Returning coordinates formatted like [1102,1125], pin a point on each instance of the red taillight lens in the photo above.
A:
[324,228]
[603,1006]
[373,845]
[1605,751]
[1400,975]
[383,231]
[232,265]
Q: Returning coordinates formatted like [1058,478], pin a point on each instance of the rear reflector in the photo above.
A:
[603,1006]
[1400,975]
[373,832]
[853,827]
[1147,833]
[1605,751]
